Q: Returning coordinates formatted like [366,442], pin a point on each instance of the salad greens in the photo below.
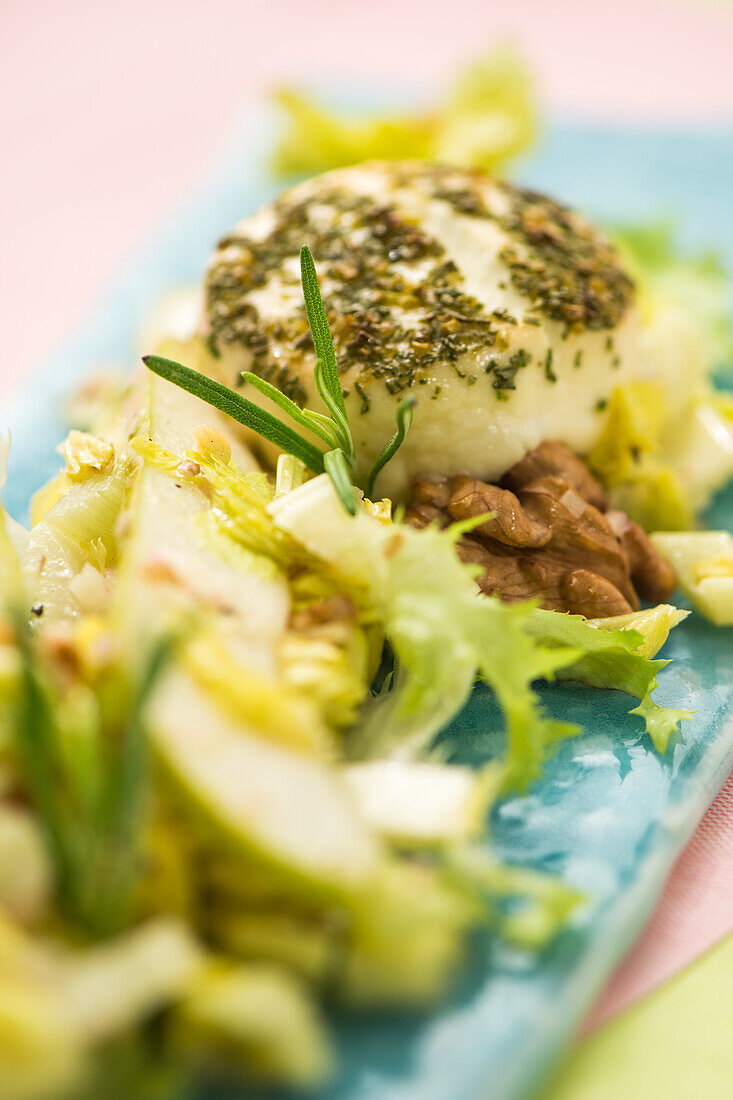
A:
[626,457]
[143,765]
[442,637]
[615,659]
[662,467]
[486,118]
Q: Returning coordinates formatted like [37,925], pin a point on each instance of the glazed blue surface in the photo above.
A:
[610,816]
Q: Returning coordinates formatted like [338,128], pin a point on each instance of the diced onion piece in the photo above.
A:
[419,803]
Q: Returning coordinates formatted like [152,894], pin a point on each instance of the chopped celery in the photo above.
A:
[330,666]
[297,942]
[108,988]
[406,940]
[626,457]
[86,454]
[658,467]
[78,529]
[253,1021]
[169,564]
[266,706]
[703,561]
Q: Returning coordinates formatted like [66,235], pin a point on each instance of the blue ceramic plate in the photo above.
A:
[610,816]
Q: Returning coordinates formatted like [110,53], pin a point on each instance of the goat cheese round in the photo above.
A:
[506,315]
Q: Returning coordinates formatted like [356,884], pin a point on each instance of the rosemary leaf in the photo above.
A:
[33,727]
[325,421]
[130,791]
[239,408]
[322,340]
[321,427]
[338,469]
[404,419]
[338,420]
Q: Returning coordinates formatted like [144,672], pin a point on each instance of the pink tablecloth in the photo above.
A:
[693,913]
[109,113]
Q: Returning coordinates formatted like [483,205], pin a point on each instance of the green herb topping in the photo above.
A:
[396,303]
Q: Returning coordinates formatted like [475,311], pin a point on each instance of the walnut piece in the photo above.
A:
[510,524]
[556,460]
[550,536]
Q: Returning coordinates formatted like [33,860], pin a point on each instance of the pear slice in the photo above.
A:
[289,810]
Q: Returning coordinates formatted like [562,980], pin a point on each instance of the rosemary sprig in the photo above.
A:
[33,726]
[405,409]
[332,429]
[341,472]
[87,778]
[320,425]
[326,374]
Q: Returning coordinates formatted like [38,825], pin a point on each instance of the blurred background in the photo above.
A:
[111,113]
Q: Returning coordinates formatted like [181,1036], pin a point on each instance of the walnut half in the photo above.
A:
[551,536]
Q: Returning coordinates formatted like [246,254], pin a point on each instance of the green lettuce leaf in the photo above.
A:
[611,659]
[660,722]
[487,117]
[442,636]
